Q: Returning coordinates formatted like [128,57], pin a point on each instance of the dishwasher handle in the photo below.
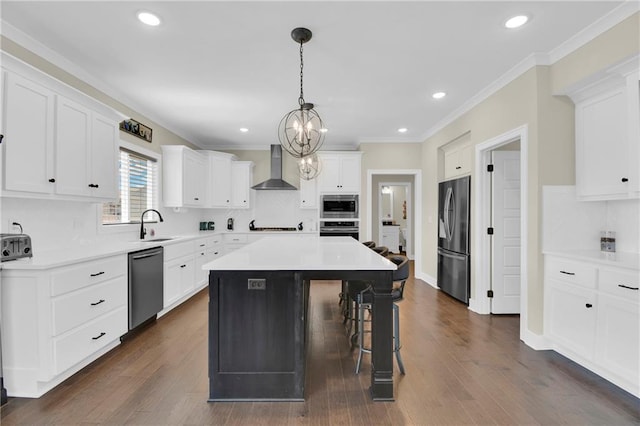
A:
[147,254]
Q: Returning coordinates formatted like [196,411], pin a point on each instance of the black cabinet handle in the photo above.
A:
[183,266]
[52,180]
[626,286]
[588,305]
[567,273]
[98,302]
[97,337]
[1,137]
[625,180]
[196,199]
[99,273]
[458,167]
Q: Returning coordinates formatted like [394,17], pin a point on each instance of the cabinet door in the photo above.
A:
[601,146]
[452,163]
[220,183]
[618,336]
[28,136]
[308,194]
[240,184]
[104,158]
[350,174]
[633,102]
[572,318]
[194,179]
[73,133]
[187,275]
[329,178]
[172,281]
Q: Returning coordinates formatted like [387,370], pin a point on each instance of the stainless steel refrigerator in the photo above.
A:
[454,220]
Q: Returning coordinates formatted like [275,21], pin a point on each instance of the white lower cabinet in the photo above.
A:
[56,321]
[592,316]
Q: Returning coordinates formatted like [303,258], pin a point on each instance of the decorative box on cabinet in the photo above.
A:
[608,134]
[184,175]
[340,171]
[56,321]
[58,143]
[592,316]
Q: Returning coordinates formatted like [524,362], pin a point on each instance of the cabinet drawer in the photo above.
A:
[235,238]
[85,274]
[79,307]
[174,251]
[74,347]
[625,284]
[578,273]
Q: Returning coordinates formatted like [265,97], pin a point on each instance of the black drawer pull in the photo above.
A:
[626,286]
[52,180]
[98,302]
[99,273]
[458,168]
[625,180]
[589,305]
[183,266]
[567,273]
[97,337]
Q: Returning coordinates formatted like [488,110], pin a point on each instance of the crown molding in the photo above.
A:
[388,140]
[29,43]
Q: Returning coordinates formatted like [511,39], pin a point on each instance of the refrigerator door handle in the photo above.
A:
[451,255]
[445,213]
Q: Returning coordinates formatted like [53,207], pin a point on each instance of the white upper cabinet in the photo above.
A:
[340,171]
[183,177]
[309,194]
[457,157]
[241,178]
[608,135]
[28,136]
[58,143]
[218,178]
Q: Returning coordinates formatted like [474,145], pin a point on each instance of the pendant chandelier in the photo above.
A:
[309,167]
[301,131]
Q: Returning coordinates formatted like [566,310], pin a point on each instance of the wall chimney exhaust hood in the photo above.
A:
[276,182]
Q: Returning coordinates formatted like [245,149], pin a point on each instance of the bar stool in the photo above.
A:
[381,250]
[343,291]
[364,301]
[370,244]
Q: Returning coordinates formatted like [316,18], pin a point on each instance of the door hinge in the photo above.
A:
[489,293]
[490,230]
[489,167]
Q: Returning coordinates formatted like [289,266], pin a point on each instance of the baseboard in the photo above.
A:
[427,279]
[536,341]
[478,307]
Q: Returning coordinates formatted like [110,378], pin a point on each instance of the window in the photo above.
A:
[137,190]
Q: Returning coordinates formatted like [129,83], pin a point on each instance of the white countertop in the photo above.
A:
[81,253]
[618,259]
[309,253]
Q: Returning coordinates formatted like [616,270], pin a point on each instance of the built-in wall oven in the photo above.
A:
[344,206]
[341,228]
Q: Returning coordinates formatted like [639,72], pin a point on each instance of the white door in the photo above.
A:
[505,279]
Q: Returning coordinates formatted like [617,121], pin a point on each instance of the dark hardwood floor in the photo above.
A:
[462,368]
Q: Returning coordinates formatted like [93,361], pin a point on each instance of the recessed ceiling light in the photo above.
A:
[516,21]
[402,130]
[438,95]
[149,18]
[324,130]
[244,129]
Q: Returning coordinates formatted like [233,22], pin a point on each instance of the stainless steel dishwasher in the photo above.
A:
[146,282]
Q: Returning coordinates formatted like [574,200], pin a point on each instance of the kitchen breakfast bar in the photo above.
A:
[258,306]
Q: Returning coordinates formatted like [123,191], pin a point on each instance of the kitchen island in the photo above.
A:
[258,305]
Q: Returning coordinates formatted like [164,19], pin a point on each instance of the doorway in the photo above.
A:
[394,216]
[483,220]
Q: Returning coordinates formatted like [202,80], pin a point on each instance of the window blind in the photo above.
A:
[137,190]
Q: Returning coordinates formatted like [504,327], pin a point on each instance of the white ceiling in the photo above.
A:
[213,67]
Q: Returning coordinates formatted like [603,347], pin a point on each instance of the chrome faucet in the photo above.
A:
[143,231]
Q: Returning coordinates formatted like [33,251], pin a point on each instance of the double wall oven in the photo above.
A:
[338,216]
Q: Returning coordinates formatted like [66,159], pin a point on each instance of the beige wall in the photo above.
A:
[161,135]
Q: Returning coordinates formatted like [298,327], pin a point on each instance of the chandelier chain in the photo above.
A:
[301,98]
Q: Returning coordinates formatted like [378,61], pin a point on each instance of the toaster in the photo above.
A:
[15,246]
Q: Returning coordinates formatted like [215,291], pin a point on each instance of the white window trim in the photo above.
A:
[131,227]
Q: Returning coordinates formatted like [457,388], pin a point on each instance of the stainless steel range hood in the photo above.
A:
[276,181]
